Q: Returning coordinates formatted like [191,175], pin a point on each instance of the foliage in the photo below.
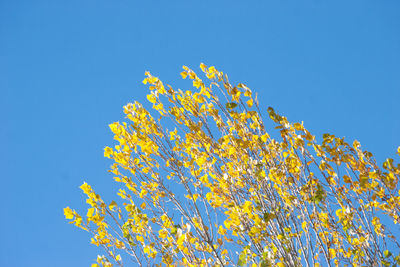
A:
[218,190]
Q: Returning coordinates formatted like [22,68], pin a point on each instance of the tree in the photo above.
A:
[205,184]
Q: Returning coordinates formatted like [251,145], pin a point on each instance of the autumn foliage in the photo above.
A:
[204,182]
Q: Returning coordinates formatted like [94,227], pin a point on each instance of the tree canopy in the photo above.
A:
[205,182]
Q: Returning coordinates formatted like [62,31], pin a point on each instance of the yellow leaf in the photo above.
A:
[152,98]
[184,74]
[204,179]
[200,161]
[264,137]
[332,253]
[304,226]
[298,126]
[159,107]
[203,67]
[250,102]
[163,233]
[346,179]
[140,238]
[108,152]
[247,207]
[356,144]
[247,93]
[339,214]
[112,205]
[173,134]
[85,188]
[221,230]
[180,239]
[90,212]
[231,151]
[228,224]
[69,214]
[212,69]
[197,83]
[119,244]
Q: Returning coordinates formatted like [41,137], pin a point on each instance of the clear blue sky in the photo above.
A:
[68,67]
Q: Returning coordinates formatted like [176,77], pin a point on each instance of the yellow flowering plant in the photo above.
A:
[204,183]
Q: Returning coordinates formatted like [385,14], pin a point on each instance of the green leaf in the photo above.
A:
[319,195]
[269,216]
[242,258]
[231,105]
[387,253]
[259,165]
[397,259]
[265,263]
[174,230]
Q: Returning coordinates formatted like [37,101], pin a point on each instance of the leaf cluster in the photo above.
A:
[216,189]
